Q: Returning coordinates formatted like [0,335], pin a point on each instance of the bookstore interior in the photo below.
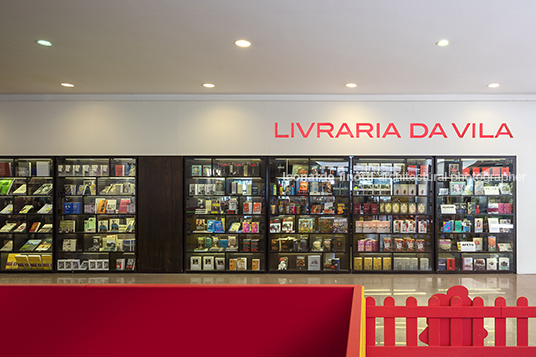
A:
[338,214]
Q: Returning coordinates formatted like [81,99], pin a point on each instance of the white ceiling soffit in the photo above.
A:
[298,47]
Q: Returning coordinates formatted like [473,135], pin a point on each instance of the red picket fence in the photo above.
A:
[455,326]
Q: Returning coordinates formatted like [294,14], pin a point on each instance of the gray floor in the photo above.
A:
[399,286]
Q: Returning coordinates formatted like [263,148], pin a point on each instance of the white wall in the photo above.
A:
[239,125]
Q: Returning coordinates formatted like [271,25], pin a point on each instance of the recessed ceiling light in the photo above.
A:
[67,85]
[208,85]
[493,85]
[242,43]
[44,43]
[442,43]
[351,85]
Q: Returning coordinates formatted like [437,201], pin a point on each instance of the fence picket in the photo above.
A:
[478,324]
[433,324]
[456,324]
[522,324]
[389,324]
[371,324]
[500,324]
[411,324]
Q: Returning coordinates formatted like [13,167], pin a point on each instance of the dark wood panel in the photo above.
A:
[160,206]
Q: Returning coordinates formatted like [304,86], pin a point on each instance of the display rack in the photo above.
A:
[225,220]
[26,214]
[309,214]
[96,228]
[475,206]
[392,214]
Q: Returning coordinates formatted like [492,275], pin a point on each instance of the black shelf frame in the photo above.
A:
[430,252]
[348,215]
[59,199]
[262,217]
[437,213]
[51,250]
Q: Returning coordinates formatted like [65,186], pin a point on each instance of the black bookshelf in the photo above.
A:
[392,214]
[27,215]
[309,215]
[96,214]
[225,214]
[476,215]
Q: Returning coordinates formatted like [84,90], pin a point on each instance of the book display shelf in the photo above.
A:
[225,217]
[309,214]
[392,215]
[96,229]
[475,206]
[26,216]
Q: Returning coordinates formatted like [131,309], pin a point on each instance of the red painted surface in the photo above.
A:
[463,325]
[175,320]
[356,344]
[450,319]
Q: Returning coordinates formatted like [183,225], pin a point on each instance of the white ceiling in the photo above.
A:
[299,46]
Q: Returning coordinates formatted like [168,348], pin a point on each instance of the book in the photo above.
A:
[47,261]
[208,263]
[7,209]
[504,263]
[492,243]
[100,205]
[8,246]
[314,262]
[44,246]
[7,227]
[11,263]
[114,224]
[468,263]
[479,225]
[232,264]
[478,243]
[69,245]
[504,247]
[21,228]
[35,262]
[46,209]
[47,228]
[241,263]
[255,264]
[35,227]
[42,168]
[123,204]
[23,262]
[257,208]
[5,169]
[111,206]
[195,263]
[480,264]
[44,189]
[491,263]
[24,169]
[340,225]
[220,263]
[21,190]
[196,171]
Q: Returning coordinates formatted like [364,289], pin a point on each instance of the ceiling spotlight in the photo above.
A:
[493,85]
[351,85]
[44,43]
[208,85]
[69,85]
[242,43]
[442,43]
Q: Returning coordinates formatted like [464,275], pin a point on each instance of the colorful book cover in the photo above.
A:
[219,227]
[246,227]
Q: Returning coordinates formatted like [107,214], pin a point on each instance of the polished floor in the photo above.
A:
[399,286]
